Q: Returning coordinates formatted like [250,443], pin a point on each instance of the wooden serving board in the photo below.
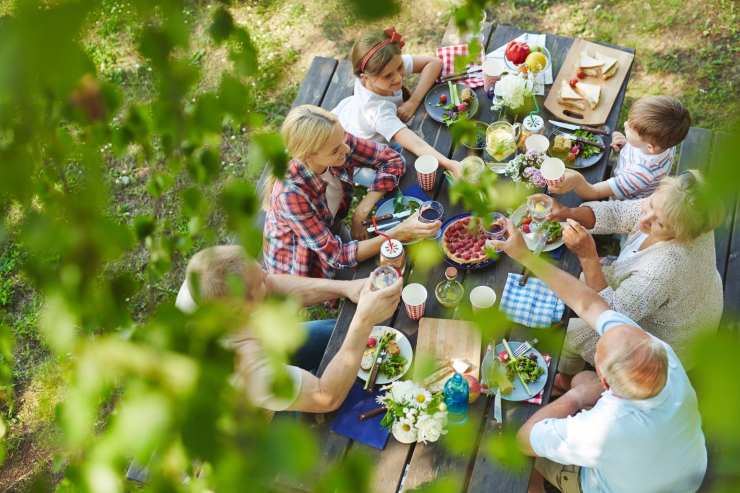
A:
[443,339]
[609,88]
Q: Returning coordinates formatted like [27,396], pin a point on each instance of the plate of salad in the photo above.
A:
[400,203]
[554,229]
[398,355]
[446,103]
[575,154]
[511,374]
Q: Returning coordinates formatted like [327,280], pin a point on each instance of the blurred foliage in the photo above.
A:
[158,390]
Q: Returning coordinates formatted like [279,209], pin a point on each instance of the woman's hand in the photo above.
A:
[579,241]
[454,168]
[407,110]
[359,231]
[618,141]
[412,229]
[514,245]
[374,307]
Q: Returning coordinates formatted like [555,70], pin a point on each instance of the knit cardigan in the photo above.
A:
[671,288]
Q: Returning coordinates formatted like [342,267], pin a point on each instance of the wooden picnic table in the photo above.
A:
[401,467]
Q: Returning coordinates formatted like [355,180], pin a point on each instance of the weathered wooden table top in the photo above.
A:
[400,467]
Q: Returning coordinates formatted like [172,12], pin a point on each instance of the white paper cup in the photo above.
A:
[537,142]
[426,171]
[553,170]
[414,298]
[492,70]
[482,297]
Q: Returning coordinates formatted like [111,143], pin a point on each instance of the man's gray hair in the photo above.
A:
[634,367]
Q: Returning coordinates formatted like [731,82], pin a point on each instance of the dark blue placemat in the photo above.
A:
[347,420]
[557,254]
[411,191]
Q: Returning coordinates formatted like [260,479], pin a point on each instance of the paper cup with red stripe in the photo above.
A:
[426,171]
[553,171]
[414,298]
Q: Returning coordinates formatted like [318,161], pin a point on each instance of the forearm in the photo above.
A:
[341,371]
[582,299]
[583,215]
[369,248]
[426,80]
[367,203]
[414,144]
[588,191]
[309,290]
[593,273]
[560,408]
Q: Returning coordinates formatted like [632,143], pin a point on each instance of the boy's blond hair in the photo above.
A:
[660,120]
[209,271]
[689,211]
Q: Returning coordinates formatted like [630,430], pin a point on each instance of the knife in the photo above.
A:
[497,414]
[572,126]
[385,217]
[383,226]
[370,383]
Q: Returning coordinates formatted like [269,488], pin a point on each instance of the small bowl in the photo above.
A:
[515,68]
[481,134]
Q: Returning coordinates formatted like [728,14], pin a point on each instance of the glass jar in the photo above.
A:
[532,124]
[449,292]
[392,253]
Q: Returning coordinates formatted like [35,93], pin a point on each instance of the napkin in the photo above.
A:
[541,79]
[538,398]
[448,54]
[347,420]
[533,304]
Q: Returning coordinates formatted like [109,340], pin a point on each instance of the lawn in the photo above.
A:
[687,49]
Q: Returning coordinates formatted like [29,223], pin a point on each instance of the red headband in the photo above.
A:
[393,37]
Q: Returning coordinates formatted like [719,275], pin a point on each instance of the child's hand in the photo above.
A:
[407,110]
[454,168]
[618,141]
[571,181]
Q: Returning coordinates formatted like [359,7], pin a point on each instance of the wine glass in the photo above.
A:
[431,211]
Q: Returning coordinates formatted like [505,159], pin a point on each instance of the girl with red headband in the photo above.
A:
[378,109]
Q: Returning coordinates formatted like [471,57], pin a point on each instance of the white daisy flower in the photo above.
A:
[404,431]
[421,398]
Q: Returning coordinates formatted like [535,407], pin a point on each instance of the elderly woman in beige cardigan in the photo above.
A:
[665,277]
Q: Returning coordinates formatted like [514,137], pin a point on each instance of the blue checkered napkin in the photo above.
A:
[533,304]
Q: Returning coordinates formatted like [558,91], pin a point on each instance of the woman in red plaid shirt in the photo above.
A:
[316,194]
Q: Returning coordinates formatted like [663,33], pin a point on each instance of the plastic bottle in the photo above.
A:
[457,391]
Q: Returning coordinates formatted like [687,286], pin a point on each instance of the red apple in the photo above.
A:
[475,389]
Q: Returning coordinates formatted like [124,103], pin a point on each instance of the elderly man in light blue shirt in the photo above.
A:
[631,426]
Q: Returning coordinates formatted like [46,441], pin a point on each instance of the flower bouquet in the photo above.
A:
[414,414]
[514,93]
[526,168]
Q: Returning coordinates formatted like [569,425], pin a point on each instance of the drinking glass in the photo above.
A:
[431,211]
[539,207]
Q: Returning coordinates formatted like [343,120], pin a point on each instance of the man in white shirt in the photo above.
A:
[631,426]
[211,273]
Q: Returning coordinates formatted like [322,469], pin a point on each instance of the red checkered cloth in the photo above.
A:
[538,398]
[448,54]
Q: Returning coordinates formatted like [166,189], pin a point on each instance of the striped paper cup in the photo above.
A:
[414,298]
[426,171]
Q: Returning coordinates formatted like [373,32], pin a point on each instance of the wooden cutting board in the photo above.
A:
[609,88]
[444,339]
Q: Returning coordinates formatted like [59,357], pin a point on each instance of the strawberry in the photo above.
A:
[526,220]
[503,356]
[462,107]
[525,228]
[573,82]
[372,342]
[575,150]
[581,74]
[443,99]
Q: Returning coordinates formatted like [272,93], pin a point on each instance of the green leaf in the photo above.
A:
[144,225]
[376,9]
[222,25]
[233,96]
[244,53]
[268,148]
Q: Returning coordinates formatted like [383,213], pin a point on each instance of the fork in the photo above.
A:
[524,348]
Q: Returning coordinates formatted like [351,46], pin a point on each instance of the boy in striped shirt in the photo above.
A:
[654,127]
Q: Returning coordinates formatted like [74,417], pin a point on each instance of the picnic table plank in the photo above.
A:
[341,85]
[316,82]
[732,277]
[695,150]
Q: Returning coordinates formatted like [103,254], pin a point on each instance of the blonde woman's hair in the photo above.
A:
[634,367]
[688,209]
[306,130]
[211,270]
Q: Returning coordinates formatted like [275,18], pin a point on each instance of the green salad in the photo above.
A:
[526,367]
[586,150]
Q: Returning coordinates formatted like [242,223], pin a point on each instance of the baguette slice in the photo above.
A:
[589,92]
[610,68]
[590,65]
[570,98]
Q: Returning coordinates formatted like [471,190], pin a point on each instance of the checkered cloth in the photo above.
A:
[448,54]
[533,304]
[538,398]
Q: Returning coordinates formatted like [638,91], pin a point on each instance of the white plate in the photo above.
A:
[406,352]
[518,393]
[531,238]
